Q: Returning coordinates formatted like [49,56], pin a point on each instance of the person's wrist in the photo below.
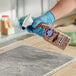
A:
[50,17]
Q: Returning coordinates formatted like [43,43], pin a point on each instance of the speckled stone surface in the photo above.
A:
[29,61]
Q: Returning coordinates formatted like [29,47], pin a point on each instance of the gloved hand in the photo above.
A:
[47,18]
[39,31]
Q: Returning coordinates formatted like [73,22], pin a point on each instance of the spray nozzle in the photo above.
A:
[28,21]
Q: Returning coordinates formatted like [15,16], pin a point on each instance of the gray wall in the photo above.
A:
[28,6]
[4,5]
[34,7]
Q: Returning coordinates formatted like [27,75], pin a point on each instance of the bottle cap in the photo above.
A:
[5,16]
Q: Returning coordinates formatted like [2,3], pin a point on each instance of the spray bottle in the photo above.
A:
[51,34]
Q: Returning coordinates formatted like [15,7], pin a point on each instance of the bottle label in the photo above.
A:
[49,32]
[55,37]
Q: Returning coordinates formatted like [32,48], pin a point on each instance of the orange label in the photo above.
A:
[54,36]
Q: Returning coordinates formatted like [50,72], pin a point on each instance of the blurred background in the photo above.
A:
[16,9]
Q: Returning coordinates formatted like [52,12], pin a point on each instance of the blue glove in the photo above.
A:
[47,18]
[39,31]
